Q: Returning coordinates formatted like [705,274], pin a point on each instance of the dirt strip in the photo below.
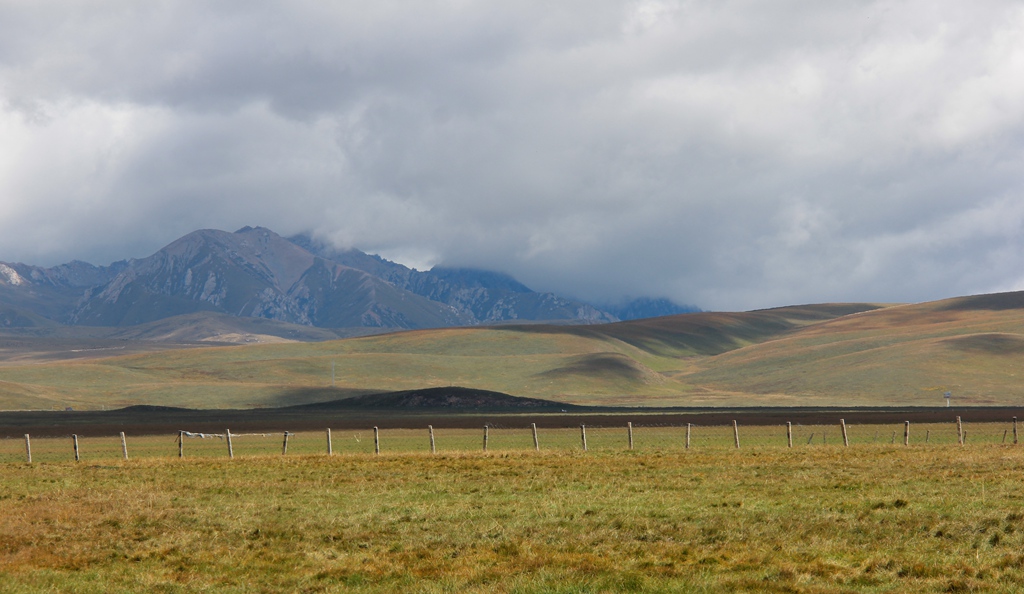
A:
[159,421]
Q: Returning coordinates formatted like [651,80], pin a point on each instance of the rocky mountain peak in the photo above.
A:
[254,272]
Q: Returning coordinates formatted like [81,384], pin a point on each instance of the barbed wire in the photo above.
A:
[510,438]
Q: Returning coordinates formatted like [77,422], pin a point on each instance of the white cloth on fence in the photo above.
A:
[221,435]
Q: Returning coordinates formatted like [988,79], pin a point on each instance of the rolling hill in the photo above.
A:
[908,354]
[814,355]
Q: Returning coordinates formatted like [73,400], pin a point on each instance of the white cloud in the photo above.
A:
[728,154]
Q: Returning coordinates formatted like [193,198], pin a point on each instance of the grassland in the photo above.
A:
[874,517]
[251,376]
[821,355]
[908,354]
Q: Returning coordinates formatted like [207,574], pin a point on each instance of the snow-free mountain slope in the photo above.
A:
[254,273]
[484,296]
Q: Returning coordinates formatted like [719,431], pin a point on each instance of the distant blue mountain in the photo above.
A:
[484,296]
[254,273]
[646,307]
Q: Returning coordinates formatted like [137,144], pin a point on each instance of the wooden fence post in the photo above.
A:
[124,446]
[906,432]
[1004,435]
[284,446]
[74,440]
[376,441]
[231,450]
[927,435]
[28,448]
[688,425]
[789,433]
[736,434]
[629,429]
[485,438]
[430,429]
[181,444]
[846,440]
[330,446]
[811,438]
[536,442]
[583,436]
[1015,430]
[959,431]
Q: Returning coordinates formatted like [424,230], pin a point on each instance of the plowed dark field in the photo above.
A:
[158,421]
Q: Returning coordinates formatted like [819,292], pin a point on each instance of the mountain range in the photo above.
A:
[257,274]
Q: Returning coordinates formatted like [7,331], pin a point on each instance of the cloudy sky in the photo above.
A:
[727,154]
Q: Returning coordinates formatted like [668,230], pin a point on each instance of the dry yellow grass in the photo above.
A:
[905,355]
[875,518]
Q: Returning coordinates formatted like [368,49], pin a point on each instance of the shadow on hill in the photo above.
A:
[995,302]
[604,366]
[450,398]
[989,344]
[301,396]
[146,409]
[705,333]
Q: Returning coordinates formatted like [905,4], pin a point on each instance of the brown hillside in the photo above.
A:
[706,333]
[909,354]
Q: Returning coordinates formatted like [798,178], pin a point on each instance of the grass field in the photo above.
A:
[873,517]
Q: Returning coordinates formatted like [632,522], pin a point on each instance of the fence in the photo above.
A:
[627,436]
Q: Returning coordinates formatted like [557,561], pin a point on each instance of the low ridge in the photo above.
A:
[448,398]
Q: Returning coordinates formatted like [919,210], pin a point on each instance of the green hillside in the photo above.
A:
[910,354]
[626,363]
[528,364]
[709,333]
[803,355]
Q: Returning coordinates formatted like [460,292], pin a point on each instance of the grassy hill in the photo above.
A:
[909,354]
[545,365]
[803,355]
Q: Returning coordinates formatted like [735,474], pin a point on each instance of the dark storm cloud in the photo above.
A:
[732,155]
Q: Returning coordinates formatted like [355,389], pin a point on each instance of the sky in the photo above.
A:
[726,154]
